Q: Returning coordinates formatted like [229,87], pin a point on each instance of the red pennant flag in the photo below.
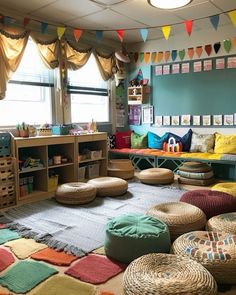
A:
[136,55]
[208,49]
[77,34]
[199,51]
[167,55]
[26,21]
[190,52]
[120,34]
[188,26]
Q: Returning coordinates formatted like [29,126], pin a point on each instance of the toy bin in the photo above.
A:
[93,170]
[7,195]
[81,173]
[60,130]
[94,155]
[5,144]
[52,183]
[6,170]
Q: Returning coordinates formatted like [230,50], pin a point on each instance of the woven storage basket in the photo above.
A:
[166,274]
[223,222]
[216,251]
[179,216]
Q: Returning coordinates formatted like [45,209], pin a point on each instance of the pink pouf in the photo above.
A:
[211,202]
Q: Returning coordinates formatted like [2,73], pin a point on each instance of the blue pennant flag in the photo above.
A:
[215,20]
[43,27]
[173,54]
[8,20]
[99,35]
[144,34]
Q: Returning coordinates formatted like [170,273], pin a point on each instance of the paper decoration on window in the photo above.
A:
[231,62]
[227,45]
[166,69]
[217,120]
[185,68]
[167,55]
[166,31]
[144,34]
[190,52]
[175,120]
[134,114]
[217,47]
[206,120]
[208,49]
[174,54]
[158,120]
[188,26]
[185,120]
[207,65]
[197,66]
[182,54]
[196,120]
[166,120]
[175,68]
[215,21]
[158,70]
[120,34]
[146,57]
[220,63]
[228,120]
[147,114]
[159,56]
[199,51]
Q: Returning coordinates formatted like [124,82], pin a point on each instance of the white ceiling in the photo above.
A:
[130,15]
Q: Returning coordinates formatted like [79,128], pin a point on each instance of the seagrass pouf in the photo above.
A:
[211,202]
[109,186]
[121,168]
[75,193]
[223,222]
[216,251]
[167,274]
[226,187]
[156,176]
[130,236]
[179,216]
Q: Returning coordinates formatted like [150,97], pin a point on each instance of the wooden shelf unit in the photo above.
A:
[138,94]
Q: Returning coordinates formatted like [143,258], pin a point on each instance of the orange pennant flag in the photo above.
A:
[60,32]
[120,34]
[234,41]
[199,51]
[77,34]
[146,57]
[159,56]
[167,55]
[232,15]
[166,31]
[153,57]
[190,52]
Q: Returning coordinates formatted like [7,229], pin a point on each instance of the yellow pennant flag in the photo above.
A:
[232,15]
[60,32]
[153,57]
[166,31]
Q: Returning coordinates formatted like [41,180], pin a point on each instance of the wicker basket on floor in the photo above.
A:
[167,274]
[223,222]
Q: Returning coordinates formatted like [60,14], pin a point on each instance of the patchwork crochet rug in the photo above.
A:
[80,229]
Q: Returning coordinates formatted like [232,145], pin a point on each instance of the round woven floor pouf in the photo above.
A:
[216,251]
[166,274]
[156,176]
[210,202]
[75,193]
[121,168]
[223,222]
[179,216]
[226,187]
[133,235]
[109,186]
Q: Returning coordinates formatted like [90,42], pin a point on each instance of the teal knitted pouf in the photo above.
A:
[133,235]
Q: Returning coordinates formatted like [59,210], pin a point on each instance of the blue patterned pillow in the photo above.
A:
[185,140]
[155,141]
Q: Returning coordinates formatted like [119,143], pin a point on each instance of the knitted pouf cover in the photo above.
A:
[211,202]
[133,235]
[216,251]
[156,176]
[179,216]
[223,222]
[167,274]
[226,187]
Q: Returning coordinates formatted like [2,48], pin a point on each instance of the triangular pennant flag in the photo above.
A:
[141,56]
[166,31]
[144,34]
[167,55]
[146,57]
[26,21]
[188,26]
[159,56]
[199,51]
[136,57]
[139,77]
[217,47]
[120,34]
[8,20]
[227,45]
[60,32]
[232,15]
[99,34]
[174,54]
[234,41]
[215,20]
[208,49]
[43,27]
[77,34]
[182,54]
[153,57]
[190,52]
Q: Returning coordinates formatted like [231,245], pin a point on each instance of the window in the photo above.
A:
[28,96]
[89,94]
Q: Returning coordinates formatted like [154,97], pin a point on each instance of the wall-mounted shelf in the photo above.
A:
[138,94]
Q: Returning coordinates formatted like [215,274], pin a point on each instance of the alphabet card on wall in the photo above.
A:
[185,120]
[197,66]
[206,120]
[231,62]
[175,68]
[217,120]
[228,120]
[196,120]
[185,68]
[207,65]
[220,63]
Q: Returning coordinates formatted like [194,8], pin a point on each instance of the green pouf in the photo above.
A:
[133,235]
